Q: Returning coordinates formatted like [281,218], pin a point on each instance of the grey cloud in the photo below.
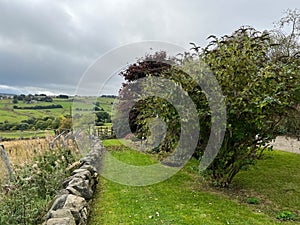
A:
[49,44]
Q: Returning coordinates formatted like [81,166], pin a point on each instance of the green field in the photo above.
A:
[25,134]
[85,103]
[186,198]
[8,113]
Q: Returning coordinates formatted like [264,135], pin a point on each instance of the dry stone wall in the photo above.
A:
[71,205]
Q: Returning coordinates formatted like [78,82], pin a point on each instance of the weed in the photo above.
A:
[25,199]
[253,200]
[286,215]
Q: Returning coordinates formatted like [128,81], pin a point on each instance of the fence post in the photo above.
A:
[7,162]
[51,144]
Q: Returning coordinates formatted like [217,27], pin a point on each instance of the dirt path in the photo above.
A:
[287,144]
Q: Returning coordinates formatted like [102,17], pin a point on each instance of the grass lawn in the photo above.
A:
[275,180]
[185,198]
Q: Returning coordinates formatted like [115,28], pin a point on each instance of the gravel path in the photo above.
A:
[286,144]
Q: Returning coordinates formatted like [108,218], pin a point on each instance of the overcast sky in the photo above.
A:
[47,45]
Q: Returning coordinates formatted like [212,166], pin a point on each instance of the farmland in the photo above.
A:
[8,113]
[23,119]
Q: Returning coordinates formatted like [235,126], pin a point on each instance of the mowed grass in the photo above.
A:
[275,180]
[186,198]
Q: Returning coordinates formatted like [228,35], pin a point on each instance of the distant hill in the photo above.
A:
[18,108]
[6,94]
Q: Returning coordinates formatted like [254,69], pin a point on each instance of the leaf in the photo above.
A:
[211,36]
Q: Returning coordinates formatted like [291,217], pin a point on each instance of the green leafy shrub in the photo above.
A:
[26,198]
[286,215]
[258,89]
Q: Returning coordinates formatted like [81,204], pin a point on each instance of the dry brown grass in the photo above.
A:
[21,152]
